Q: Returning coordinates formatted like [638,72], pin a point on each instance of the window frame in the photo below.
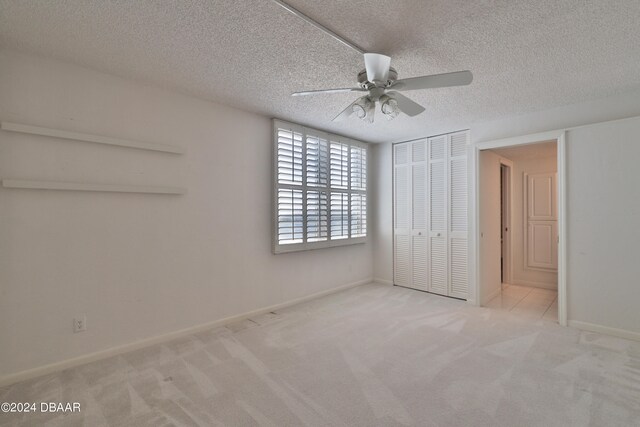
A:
[304,187]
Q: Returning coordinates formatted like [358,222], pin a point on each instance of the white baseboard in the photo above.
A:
[382,281]
[159,339]
[606,330]
[541,285]
[492,295]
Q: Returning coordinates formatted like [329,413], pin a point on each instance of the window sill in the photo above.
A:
[298,247]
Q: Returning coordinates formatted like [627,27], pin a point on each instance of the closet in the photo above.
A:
[430,214]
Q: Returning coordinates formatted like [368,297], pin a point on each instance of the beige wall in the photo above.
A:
[603,199]
[489,225]
[137,265]
[382,220]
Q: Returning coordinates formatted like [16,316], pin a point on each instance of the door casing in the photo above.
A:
[475,285]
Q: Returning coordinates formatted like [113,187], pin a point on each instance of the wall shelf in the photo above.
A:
[72,186]
[85,137]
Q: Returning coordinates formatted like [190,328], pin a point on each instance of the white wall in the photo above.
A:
[602,239]
[603,224]
[382,220]
[137,265]
[523,275]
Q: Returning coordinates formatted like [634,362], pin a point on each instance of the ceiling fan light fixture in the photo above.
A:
[389,107]
[363,107]
[381,82]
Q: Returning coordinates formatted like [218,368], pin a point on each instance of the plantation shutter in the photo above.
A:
[317,180]
[320,189]
[317,161]
[290,195]
[339,168]
[317,216]
[358,186]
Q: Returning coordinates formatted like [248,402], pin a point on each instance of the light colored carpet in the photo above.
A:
[369,356]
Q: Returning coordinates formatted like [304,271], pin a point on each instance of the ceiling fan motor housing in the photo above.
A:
[366,84]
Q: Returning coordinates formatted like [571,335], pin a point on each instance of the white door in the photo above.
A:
[458,218]
[402,216]
[438,262]
[410,215]
[419,241]
[542,221]
[430,214]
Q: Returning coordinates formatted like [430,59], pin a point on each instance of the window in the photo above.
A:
[320,189]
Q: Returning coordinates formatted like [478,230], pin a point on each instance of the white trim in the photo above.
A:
[73,186]
[591,327]
[544,136]
[562,228]
[474,266]
[383,281]
[519,140]
[532,284]
[85,137]
[113,351]
[311,246]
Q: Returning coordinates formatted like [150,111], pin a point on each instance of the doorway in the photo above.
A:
[505,222]
[518,228]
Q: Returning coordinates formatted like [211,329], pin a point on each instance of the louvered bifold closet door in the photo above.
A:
[438,253]
[458,218]
[402,271]
[419,238]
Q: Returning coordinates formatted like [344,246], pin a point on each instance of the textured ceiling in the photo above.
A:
[542,150]
[525,55]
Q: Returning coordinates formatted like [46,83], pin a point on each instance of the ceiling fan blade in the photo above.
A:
[314,92]
[377,67]
[345,113]
[458,78]
[406,105]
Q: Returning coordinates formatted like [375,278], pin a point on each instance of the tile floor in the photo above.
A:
[527,302]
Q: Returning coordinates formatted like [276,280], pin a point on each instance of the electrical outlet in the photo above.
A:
[80,324]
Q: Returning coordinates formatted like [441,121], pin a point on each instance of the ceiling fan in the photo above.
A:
[381,82]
